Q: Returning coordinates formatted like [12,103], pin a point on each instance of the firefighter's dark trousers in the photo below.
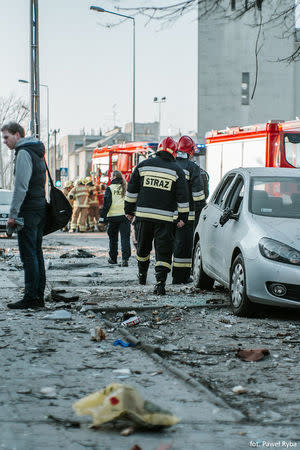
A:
[182,258]
[120,224]
[162,233]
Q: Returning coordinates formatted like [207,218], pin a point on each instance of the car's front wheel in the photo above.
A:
[240,303]
[201,279]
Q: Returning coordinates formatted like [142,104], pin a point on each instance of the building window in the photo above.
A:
[233,5]
[245,88]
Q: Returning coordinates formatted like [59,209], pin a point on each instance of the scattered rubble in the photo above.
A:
[239,390]
[127,431]
[61,295]
[97,334]
[134,320]
[122,343]
[252,355]
[77,253]
[49,392]
[60,314]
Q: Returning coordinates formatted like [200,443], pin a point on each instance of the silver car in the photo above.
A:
[248,238]
[5,201]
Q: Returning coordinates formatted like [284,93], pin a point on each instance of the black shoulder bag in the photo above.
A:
[59,210]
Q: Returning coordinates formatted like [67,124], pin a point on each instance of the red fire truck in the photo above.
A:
[272,144]
[123,157]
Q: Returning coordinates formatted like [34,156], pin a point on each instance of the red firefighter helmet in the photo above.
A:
[187,145]
[168,145]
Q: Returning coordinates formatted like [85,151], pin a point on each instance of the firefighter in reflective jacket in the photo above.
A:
[79,194]
[94,211]
[68,187]
[183,245]
[155,190]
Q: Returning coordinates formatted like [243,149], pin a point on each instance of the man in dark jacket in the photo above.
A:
[183,245]
[29,202]
[155,190]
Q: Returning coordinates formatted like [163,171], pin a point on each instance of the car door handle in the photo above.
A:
[215,224]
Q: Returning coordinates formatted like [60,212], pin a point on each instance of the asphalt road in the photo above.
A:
[185,359]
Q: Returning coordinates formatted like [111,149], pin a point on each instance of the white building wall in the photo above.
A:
[226,48]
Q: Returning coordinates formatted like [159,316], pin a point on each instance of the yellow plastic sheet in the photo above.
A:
[122,401]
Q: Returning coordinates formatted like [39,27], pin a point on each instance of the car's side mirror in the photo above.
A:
[227,214]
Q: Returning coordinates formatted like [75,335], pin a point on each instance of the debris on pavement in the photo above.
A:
[48,392]
[158,372]
[101,350]
[83,291]
[66,422]
[224,320]
[97,334]
[122,343]
[165,446]
[134,320]
[24,391]
[127,431]
[60,314]
[60,295]
[252,355]
[122,401]
[239,390]
[122,373]
[215,301]
[78,253]
[126,315]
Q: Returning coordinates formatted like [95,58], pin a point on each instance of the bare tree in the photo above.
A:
[11,108]
[173,10]
[261,13]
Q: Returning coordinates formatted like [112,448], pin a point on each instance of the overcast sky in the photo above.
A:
[88,67]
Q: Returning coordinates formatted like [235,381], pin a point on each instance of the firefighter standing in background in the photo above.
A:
[93,202]
[102,186]
[205,181]
[79,194]
[183,244]
[155,190]
[68,186]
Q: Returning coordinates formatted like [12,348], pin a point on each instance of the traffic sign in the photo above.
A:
[64,171]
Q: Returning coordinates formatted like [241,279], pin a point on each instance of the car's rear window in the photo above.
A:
[292,148]
[278,197]
[5,198]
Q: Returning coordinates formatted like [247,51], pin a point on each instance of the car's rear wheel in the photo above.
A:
[201,279]
[240,303]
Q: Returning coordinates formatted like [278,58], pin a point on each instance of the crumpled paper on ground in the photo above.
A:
[252,355]
[123,401]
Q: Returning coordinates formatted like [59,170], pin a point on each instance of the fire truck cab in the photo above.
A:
[272,144]
[122,157]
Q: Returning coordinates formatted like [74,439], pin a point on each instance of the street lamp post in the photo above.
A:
[48,132]
[159,101]
[54,133]
[102,10]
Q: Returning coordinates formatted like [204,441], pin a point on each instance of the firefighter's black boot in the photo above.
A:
[142,276]
[142,272]
[159,288]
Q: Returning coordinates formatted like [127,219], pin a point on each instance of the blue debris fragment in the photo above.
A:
[123,344]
